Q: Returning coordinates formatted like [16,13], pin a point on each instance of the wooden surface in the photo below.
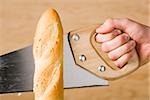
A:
[18,19]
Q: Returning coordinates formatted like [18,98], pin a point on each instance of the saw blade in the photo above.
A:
[17,70]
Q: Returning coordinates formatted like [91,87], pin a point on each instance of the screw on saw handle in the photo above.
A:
[88,55]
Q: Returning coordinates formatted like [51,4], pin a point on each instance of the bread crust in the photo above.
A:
[48,57]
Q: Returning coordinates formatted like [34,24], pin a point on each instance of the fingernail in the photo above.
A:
[127,37]
[133,43]
[118,31]
[96,37]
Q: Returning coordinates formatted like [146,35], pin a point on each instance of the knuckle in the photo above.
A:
[132,43]
[109,21]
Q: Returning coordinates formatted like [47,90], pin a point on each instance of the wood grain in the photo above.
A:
[95,57]
[18,19]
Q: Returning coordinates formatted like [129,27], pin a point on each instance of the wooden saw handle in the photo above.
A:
[88,55]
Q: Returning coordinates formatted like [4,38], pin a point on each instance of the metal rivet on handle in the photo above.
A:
[82,58]
[102,68]
[75,37]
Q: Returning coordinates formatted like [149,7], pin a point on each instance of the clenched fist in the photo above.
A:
[120,36]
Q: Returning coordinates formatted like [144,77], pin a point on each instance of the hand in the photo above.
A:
[115,36]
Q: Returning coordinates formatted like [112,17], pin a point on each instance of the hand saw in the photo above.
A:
[85,64]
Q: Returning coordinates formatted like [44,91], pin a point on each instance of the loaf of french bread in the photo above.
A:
[48,57]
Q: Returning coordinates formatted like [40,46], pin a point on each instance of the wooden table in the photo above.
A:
[18,19]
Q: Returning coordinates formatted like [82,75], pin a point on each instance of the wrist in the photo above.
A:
[145,53]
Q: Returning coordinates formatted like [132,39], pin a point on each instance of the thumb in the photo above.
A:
[111,24]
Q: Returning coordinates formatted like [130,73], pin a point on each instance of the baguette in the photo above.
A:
[48,57]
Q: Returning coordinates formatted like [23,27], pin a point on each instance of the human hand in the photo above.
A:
[115,36]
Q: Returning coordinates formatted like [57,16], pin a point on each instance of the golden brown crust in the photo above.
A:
[48,56]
